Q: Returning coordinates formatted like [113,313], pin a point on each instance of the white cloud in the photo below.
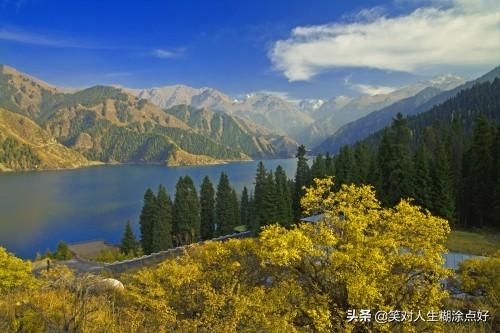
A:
[168,53]
[446,32]
[368,89]
[28,38]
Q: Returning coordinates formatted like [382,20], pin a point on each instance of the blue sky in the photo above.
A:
[315,49]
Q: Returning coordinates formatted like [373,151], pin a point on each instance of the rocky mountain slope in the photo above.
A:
[268,110]
[26,146]
[334,116]
[254,140]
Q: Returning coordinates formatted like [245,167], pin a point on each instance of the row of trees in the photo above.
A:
[214,212]
[451,173]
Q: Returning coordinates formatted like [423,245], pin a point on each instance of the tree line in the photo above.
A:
[453,174]
[216,211]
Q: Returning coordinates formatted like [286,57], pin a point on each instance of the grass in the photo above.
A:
[482,242]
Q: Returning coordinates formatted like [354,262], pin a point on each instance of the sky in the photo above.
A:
[297,49]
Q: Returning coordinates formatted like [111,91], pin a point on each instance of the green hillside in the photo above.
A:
[447,159]
[26,146]
[231,131]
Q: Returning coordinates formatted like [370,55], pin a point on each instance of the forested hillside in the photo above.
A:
[421,102]
[26,146]
[447,159]
[235,132]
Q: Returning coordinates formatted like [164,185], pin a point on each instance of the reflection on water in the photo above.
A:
[38,209]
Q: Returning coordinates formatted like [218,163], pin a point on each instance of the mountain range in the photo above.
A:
[307,121]
[181,125]
[423,101]
[110,125]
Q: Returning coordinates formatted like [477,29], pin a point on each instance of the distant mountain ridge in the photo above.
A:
[111,125]
[270,111]
[421,102]
[335,114]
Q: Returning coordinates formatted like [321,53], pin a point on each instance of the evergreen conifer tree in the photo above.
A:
[129,244]
[146,221]
[423,180]
[162,225]
[224,207]
[245,208]
[443,198]
[318,168]
[284,210]
[259,198]
[480,186]
[207,209]
[186,212]
[302,178]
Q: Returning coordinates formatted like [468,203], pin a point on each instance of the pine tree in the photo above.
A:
[224,207]
[302,178]
[397,164]
[186,212]
[129,244]
[344,166]
[284,210]
[423,180]
[318,168]
[235,205]
[362,163]
[62,252]
[146,221]
[329,165]
[162,225]
[443,198]
[207,209]
[269,209]
[481,170]
[259,213]
[245,208]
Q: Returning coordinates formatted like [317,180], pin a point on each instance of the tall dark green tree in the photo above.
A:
[329,165]
[146,220]
[423,181]
[270,202]
[162,225]
[259,198]
[207,209]
[186,212]
[302,179]
[62,252]
[129,244]
[480,186]
[362,163]
[284,210]
[396,166]
[225,218]
[318,168]
[443,198]
[245,208]
[344,166]
[236,209]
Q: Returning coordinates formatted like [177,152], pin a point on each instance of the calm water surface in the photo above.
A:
[38,209]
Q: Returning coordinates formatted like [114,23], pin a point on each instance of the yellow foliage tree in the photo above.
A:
[362,256]
[14,272]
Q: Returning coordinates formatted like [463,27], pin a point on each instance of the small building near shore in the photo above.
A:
[89,249]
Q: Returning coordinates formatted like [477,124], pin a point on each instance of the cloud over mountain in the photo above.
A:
[454,32]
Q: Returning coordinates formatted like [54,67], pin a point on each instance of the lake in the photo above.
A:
[38,209]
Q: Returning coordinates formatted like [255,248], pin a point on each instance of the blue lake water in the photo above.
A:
[38,209]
